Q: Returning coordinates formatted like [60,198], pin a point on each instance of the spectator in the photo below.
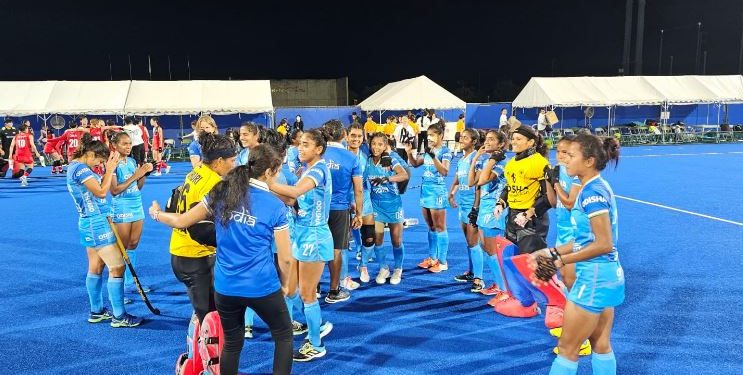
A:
[389,127]
[135,134]
[283,127]
[403,134]
[542,122]
[355,119]
[503,119]
[370,127]
[424,121]
[298,123]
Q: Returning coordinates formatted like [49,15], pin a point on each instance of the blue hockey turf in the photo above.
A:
[682,314]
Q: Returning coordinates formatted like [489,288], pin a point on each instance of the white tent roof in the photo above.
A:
[413,93]
[637,90]
[192,97]
[91,97]
[24,98]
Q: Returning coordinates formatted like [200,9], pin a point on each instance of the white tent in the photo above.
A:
[193,97]
[87,97]
[24,98]
[413,93]
[622,91]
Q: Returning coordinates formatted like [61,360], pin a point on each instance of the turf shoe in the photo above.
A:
[585,349]
[426,263]
[437,267]
[491,290]
[556,332]
[466,277]
[309,352]
[335,296]
[364,274]
[513,308]
[477,286]
[396,276]
[349,284]
[382,276]
[126,321]
[100,316]
[325,328]
[298,328]
[498,298]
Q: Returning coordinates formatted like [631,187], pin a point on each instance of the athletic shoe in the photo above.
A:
[477,286]
[349,284]
[491,290]
[157,174]
[325,328]
[309,352]
[24,181]
[99,317]
[298,328]
[514,309]
[499,297]
[556,332]
[553,317]
[133,289]
[396,276]
[335,296]
[126,321]
[382,276]
[317,293]
[585,349]
[426,263]
[438,267]
[248,332]
[167,169]
[466,277]
[364,274]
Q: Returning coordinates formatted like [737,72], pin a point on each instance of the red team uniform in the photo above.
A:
[97,134]
[22,150]
[74,140]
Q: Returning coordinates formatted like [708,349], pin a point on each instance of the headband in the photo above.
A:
[223,153]
[528,133]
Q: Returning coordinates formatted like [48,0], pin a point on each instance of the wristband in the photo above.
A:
[556,255]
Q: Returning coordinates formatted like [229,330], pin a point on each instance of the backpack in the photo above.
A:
[211,342]
[189,363]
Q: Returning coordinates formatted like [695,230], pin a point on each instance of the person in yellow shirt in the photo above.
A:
[283,127]
[370,127]
[192,251]
[459,130]
[389,127]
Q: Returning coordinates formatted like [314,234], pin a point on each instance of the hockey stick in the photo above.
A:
[120,245]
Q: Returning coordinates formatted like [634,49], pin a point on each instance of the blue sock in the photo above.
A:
[249,315]
[344,264]
[399,254]
[496,271]
[442,242]
[381,254]
[469,259]
[563,366]
[356,233]
[294,303]
[604,364]
[476,260]
[128,279]
[366,252]
[116,295]
[314,320]
[94,284]
[433,252]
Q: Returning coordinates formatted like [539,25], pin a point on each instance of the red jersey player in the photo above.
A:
[158,145]
[20,149]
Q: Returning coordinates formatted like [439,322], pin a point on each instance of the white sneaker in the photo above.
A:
[364,274]
[24,181]
[396,276]
[167,169]
[349,284]
[157,174]
[248,332]
[382,276]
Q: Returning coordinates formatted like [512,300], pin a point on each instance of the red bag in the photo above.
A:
[211,342]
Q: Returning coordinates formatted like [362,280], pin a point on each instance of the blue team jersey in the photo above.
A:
[343,166]
[400,160]
[314,205]
[431,176]
[103,204]
[363,160]
[124,171]
[242,157]
[386,192]
[194,149]
[565,230]
[286,176]
[292,158]
[595,198]
[465,194]
[86,203]
[249,271]
[490,193]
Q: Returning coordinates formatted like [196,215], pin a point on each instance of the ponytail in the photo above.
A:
[603,151]
[215,146]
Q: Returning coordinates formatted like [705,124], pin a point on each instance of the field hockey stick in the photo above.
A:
[120,245]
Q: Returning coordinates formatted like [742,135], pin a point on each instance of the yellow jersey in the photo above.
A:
[281,129]
[414,125]
[460,126]
[197,185]
[389,128]
[522,179]
[370,126]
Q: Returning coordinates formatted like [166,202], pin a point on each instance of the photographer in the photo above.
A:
[403,134]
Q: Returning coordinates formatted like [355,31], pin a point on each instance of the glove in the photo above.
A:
[430,153]
[376,181]
[549,174]
[386,160]
[498,156]
[546,268]
[521,219]
[473,216]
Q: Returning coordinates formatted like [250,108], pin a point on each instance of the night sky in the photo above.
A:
[479,50]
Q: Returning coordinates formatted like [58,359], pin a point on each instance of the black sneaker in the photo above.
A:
[298,328]
[308,352]
[335,296]
[466,277]
[477,286]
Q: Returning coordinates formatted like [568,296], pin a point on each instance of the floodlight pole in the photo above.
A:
[660,53]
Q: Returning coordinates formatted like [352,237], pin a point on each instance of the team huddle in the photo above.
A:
[257,219]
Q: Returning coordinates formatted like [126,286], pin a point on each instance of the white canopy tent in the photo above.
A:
[24,98]
[413,93]
[193,97]
[87,97]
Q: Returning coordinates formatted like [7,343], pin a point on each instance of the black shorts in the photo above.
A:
[531,237]
[456,137]
[339,222]
[138,154]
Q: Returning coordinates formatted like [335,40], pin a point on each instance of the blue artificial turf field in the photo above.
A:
[682,313]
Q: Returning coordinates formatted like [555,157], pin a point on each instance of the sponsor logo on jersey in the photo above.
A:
[126,215]
[243,217]
[593,199]
[333,165]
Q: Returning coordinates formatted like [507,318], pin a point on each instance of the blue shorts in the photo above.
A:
[463,213]
[486,218]
[95,232]
[127,211]
[389,212]
[368,209]
[434,196]
[598,285]
[492,232]
[312,244]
